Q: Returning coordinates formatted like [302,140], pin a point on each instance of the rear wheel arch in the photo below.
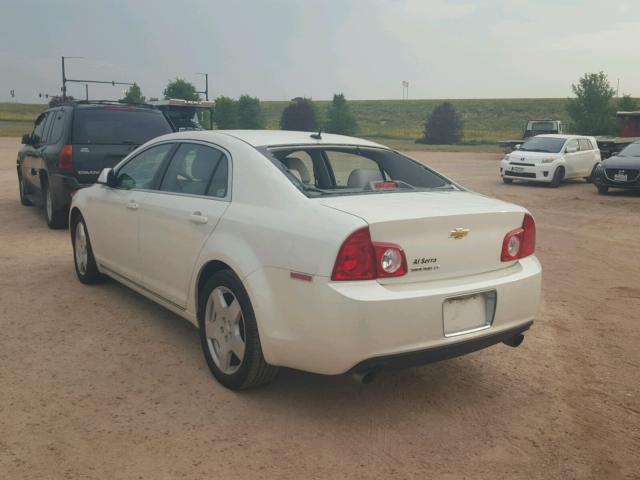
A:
[206,271]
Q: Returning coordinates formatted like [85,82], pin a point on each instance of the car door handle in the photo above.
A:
[197,217]
[132,205]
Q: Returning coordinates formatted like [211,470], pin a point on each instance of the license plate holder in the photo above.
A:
[517,169]
[468,313]
[620,177]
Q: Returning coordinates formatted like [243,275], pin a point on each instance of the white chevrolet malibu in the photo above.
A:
[323,253]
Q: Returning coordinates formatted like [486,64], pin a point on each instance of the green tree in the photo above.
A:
[443,126]
[249,113]
[133,95]
[627,104]
[226,113]
[592,110]
[299,115]
[339,117]
[180,88]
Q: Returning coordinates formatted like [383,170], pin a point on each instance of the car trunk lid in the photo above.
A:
[444,234]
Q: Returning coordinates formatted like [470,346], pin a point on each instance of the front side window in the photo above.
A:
[356,170]
[197,170]
[142,170]
[572,146]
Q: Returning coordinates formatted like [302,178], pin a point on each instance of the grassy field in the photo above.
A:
[485,121]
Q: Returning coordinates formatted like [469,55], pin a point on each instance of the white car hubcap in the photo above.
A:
[81,248]
[224,329]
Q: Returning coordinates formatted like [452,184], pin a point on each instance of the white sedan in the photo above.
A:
[323,253]
[551,159]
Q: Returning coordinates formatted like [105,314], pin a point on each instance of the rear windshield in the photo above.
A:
[542,126]
[322,171]
[632,150]
[118,125]
[543,144]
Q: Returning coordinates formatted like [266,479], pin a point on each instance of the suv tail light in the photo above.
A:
[361,259]
[65,162]
[520,243]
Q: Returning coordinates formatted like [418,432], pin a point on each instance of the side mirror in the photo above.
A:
[107,177]
[27,139]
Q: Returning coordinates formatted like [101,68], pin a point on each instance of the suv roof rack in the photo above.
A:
[106,102]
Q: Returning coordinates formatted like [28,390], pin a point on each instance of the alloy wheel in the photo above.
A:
[225,330]
[81,253]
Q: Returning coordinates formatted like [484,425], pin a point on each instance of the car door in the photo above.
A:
[32,157]
[572,159]
[114,223]
[176,220]
[587,157]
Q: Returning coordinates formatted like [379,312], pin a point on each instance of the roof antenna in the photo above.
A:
[317,136]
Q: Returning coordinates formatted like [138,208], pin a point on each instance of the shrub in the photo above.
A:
[249,113]
[225,113]
[443,126]
[339,117]
[299,115]
[180,88]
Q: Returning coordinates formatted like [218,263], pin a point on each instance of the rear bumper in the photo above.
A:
[436,354]
[331,327]
[62,186]
[542,172]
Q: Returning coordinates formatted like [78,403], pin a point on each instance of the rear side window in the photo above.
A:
[117,125]
[39,130]
[197,170]
[58,126]
[142,170]
[585,144]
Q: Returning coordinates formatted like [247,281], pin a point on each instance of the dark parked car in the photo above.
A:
[72,143]
[620,171]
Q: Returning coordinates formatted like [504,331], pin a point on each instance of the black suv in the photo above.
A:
[70,145]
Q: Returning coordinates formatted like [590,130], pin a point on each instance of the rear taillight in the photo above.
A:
[65,162]
[361,259]
[521,242]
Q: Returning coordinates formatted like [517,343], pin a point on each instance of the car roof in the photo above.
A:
[565,137]
[272,138]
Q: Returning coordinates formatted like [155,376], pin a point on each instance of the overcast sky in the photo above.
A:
[279,49]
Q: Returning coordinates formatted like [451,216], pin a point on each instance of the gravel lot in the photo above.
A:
[100,383]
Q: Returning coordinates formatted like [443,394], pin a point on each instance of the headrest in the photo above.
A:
[294,163]
[361,177]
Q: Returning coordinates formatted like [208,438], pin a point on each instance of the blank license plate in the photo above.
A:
[468,313]
[619,177]
[517,169]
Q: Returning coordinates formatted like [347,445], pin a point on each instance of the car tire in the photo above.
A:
[23,199]
[83,259]
[603,190]
[508,181]
[558,176]
[229,334]
[56,216]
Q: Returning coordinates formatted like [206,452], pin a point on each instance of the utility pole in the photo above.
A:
[618,89]
[206,85]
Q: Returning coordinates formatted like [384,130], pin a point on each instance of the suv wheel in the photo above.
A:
[56,217]
[85,263]
[229,334]
[23,199]
[602,190]
[558,176]
[508,181]
[592,176]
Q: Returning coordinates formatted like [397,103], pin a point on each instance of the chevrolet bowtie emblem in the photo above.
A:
[459,233]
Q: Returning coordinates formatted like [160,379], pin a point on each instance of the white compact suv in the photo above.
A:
[552,159]
[323,253]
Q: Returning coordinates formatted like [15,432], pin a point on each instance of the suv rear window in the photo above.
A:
[353,170]
[118,125]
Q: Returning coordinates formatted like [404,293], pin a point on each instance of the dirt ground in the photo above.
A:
[100,383]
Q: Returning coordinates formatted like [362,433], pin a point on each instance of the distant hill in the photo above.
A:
[485,120]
